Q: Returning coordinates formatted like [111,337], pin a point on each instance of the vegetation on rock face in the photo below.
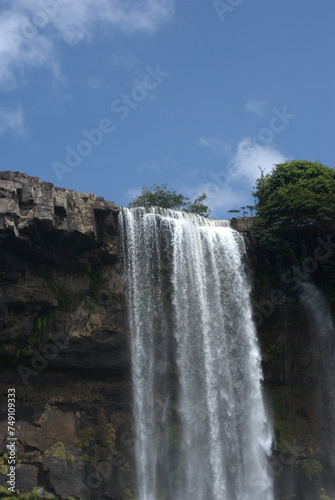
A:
[310,466]
[159,196]
[85,436]
[295,194]
[324,496]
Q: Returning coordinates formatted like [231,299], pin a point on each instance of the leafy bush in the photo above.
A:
[295,194]
[159,196]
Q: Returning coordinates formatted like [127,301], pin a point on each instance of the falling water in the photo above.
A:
[324,356]
[200,425]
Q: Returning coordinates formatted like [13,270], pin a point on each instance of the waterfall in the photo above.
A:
[323,333]
[201,430]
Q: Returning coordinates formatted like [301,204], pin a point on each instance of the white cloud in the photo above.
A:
[231,186]
[30,32]
[155,166]
[214,144]
[96,82]
[130,16]
[159,165]
[256,107]
[128,59]
[18,53]
[250,155]
[12,119]
[219,198]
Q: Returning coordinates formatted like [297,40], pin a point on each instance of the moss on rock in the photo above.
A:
[310,466]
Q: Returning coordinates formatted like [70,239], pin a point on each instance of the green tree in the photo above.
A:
[159,196]
[294,194]
[197,207]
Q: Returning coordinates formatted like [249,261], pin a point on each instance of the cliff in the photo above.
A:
[64,348]
[63,341]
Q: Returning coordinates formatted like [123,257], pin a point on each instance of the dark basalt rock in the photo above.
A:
[53,224]
[64,348]
[63,340]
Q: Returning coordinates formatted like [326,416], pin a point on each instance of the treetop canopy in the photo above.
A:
[295,193]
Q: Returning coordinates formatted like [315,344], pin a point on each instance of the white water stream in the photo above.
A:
[200,425]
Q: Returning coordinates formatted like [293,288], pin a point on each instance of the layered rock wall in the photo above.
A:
[64,348]
[63,341]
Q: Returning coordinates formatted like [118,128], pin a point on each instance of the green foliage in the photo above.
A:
[247,211]
[38,323]
[125,467]
[234,211]
[58,450]
[111,438]
[171,433]
[33,495]
[294,194]
[64,299]
[129,494]
[63,296]
[40,329]
[251,209]
[159,196]
[97,282]
[84,438]
[310,466]
[70,457]
[324,496]
[111,295]
[197,207]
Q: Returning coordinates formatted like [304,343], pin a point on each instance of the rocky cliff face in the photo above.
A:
[64,348]
[293,365]
[63,341]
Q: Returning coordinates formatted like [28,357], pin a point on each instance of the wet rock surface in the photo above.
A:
[64,348]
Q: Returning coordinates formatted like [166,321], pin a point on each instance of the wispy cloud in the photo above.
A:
[12,119]
[30,31]
[17,54]
[219,198]
[161,165]
[214,144]
[95,82]
[128,59]
[256,107]
[132,193]
[231,186]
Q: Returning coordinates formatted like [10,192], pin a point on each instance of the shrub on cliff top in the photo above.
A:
[159,196]
[294,194]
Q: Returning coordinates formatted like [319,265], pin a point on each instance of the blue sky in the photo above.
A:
[107,96]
